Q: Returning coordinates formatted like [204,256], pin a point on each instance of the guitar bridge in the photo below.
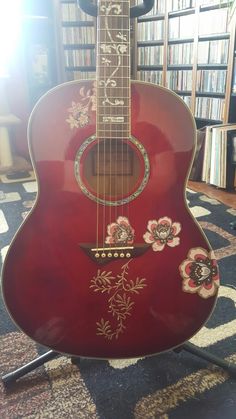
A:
[106,254]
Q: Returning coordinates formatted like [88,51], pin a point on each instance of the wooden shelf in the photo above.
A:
[183,12]
[213,37]
[78,46]
[212,67]
[179,67]
[210,94]
[180,41]
[208,8]
[208,121]
[150,43]
[151,18]
[149,67]
[74,24]
[81,68]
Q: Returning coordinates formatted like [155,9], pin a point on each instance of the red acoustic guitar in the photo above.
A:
[110,263]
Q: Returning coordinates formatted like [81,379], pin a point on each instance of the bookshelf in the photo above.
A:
[190,55]
[78,41]
[184,45]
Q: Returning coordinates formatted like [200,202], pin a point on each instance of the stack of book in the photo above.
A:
[216,162]
[150,56]
[210,108]
[151,31]
[71,12]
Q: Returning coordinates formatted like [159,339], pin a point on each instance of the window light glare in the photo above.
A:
[10,22]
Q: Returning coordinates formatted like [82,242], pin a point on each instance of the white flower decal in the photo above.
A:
[162,232]
[200,273]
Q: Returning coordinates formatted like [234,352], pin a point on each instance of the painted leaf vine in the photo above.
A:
[120,303]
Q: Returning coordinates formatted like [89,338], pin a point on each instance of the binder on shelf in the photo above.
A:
[217,161]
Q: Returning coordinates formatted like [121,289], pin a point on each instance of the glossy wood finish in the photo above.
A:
[47,277]
[226,197]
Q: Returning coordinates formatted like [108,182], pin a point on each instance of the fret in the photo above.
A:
[113,135]
[117,16]
[121,77]
[113,128]
[107,115]
[114,66]
[117,97]
[114,42]
[115,29]
[104,137]
[112,124]
[110,55]
[108,1]
[116,106]
[104,2]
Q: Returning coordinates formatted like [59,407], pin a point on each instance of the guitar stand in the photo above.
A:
[11,377]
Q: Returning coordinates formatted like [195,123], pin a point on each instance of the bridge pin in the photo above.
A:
[128,255]
[103,255]
[109,255]
[116,255]
[122,255]
[97,255]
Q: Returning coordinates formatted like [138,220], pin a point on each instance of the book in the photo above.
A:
[216,162]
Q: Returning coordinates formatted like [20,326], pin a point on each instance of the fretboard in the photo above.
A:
[113,69]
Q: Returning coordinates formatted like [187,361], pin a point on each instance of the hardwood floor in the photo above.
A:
[227,198]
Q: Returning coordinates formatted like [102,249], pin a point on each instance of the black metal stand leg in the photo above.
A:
[20,372]
[11,377]
[201,353]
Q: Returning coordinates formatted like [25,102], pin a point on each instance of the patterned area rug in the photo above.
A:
[169,385]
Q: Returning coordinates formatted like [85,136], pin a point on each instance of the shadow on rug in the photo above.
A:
[169,385]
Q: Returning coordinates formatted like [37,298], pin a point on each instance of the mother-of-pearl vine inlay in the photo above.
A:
[110,48]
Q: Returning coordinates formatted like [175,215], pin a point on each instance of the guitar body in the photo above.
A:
[160,289]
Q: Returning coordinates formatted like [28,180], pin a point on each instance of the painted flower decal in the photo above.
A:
[200,273]
[79,111]
[162,232]
[120,232]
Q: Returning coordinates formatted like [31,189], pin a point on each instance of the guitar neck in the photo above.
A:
[113,69]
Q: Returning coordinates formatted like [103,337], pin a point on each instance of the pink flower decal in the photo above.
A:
[200,273]
[120,232]
[162,232]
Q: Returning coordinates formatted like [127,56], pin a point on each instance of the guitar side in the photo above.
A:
[129,306]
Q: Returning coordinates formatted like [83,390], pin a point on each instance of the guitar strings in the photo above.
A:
[116,138]
[123,113]
[110,162]
[105,18]
[98,124]
[129,166]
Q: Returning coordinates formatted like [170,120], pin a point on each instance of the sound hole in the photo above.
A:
[111,171]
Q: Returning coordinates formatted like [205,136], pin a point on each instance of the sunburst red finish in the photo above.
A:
[47,276]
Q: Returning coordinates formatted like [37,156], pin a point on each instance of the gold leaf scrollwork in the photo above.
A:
[120,303]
